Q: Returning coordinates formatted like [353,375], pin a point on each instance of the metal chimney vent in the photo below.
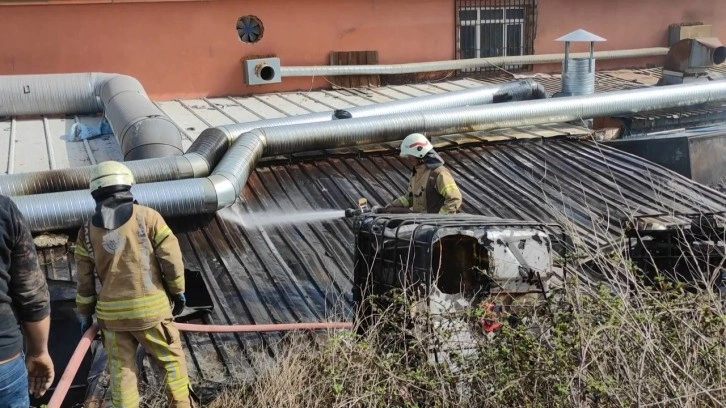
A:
[578,74]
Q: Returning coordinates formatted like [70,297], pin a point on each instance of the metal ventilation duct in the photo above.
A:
[688,60]
[223,187]
[210,146]
[142,130]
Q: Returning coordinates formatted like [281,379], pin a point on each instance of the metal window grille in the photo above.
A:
[493,28]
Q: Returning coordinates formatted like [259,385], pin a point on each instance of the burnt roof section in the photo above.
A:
[303,273]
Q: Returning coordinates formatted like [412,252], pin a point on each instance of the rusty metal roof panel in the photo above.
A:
[303,273]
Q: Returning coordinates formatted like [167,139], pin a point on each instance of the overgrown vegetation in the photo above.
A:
[610,342]
[597,344]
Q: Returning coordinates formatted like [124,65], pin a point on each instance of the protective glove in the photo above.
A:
[180,301]
[85,322]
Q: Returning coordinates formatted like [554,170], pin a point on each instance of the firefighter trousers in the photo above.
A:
[162,342]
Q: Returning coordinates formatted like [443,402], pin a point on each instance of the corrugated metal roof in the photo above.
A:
[304,272]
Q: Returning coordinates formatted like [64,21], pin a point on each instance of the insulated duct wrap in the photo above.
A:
[352,132]
[179,197]
[511,91]
[239,162]
[143,131]
[61,210]
[212,143]
[70,209]
[54,94]
[77,178]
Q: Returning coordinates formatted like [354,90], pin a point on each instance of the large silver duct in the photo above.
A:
[392,69]
[222,188]
[210,146]
[142,130]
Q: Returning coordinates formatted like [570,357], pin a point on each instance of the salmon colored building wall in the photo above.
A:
[626,24]
[191,48]
[180,49]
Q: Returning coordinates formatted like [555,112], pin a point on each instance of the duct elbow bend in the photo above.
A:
[538,90]
[151,137]
[225,190]
[211,145]
[110,85]
[523,90]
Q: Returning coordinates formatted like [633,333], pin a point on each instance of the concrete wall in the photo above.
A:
[191,48]
[183,49]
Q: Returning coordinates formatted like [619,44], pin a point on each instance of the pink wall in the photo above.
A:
[624,23]
[184,49]
[189,49]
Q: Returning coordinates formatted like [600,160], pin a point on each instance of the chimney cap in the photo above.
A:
[581,36]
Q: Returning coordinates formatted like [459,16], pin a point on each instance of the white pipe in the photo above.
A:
[392,69]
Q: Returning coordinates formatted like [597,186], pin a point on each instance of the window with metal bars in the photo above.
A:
[494,28]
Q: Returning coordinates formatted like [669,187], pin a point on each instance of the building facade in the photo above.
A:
[185,48]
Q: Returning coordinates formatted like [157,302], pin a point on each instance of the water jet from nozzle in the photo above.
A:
[277,218]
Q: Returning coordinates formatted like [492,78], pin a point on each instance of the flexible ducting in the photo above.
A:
[142,130]
[392,69]
[223,187]
[210,146]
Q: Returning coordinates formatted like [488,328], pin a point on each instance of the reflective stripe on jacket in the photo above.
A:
[431,191]
[136,264]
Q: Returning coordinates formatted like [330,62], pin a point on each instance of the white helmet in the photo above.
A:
[415,145]
[110,173]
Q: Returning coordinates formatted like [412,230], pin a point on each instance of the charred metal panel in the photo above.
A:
[701,158]
[687,248]
[708,158]
[425,254]
[673,153]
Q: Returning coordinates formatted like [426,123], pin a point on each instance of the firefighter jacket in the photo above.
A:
[136,264]
[430,191]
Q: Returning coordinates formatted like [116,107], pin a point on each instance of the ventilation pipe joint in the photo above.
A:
[199,166]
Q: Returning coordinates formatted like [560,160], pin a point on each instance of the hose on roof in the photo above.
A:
[64,384]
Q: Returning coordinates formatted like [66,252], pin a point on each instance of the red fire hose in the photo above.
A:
[239,328]
[72,368]
[74,363]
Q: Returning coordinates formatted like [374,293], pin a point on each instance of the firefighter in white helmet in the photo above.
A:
[431,188]
[139,264]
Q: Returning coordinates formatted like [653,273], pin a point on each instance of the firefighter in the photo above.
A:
[431,188]
[139,265]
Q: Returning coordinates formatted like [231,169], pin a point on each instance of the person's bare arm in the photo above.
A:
[37,359]
[29,292]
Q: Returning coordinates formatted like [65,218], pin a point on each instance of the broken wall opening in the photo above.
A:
[459,265]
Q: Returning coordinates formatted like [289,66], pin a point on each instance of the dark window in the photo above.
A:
[494,28]
[467,14]
[491,14]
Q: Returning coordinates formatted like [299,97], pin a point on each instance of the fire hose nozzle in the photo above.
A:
[362,208]
[353,212]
